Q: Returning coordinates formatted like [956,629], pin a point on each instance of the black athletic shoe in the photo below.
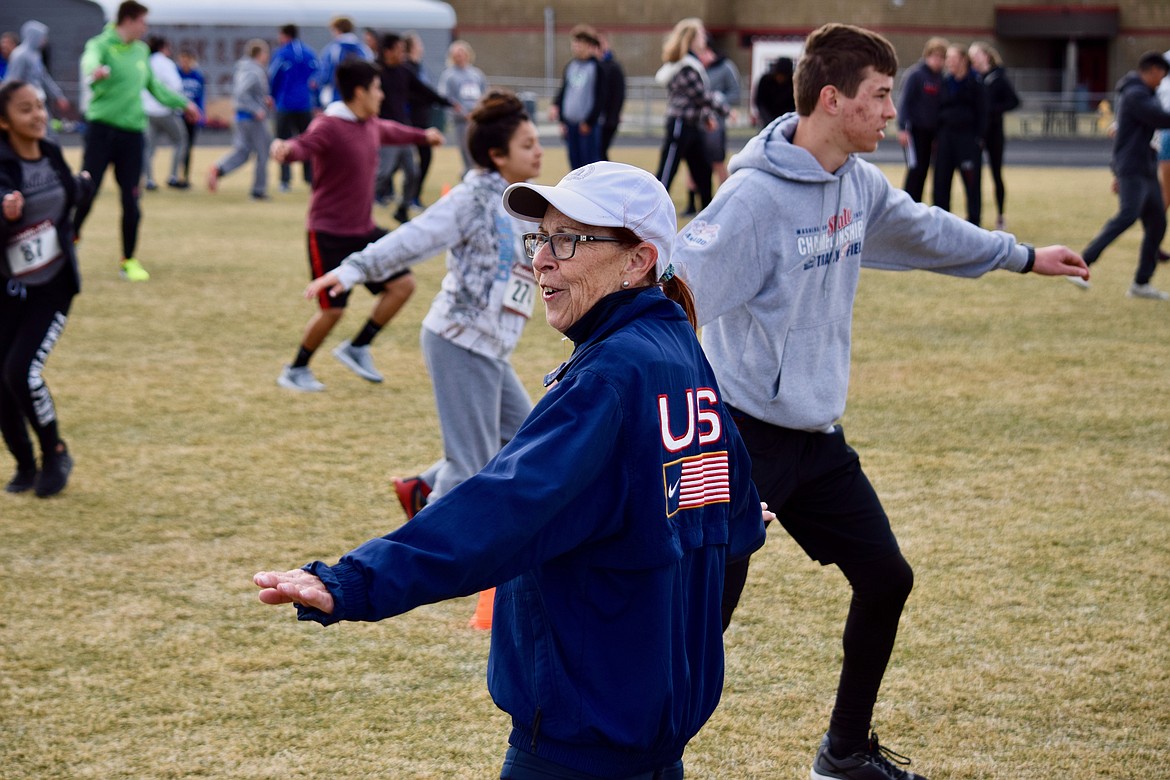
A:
[55,469]
[402,215]
[22,480]
[873,763]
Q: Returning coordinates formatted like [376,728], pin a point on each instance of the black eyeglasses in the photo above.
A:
[564,245]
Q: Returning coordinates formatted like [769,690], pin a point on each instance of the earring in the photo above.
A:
[625,283]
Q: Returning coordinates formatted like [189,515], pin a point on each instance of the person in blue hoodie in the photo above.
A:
[292,76]
[613,511]
[774,262]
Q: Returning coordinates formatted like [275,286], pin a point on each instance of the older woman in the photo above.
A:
[606,523]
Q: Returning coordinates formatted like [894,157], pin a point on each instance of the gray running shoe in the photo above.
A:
[1078,281]
[357,360]
[873,763]
[1147,291]
[299,379]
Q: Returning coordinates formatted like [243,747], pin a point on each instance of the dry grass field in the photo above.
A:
[1018,430]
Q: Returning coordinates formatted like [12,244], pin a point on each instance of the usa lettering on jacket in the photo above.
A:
[696,480]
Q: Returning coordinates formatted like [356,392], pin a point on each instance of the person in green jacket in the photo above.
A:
[115,69]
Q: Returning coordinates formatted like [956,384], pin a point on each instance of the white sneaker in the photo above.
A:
[1078,281]
[357,360]
[1147,291]
[299,379]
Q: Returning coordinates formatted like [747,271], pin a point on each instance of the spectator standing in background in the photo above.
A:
[1001,98]
[723,78]
[194,86]
[463,84]
[8,42]
[345,44]
[420,110]
[962,123]
[614,79]
[690,106]
[918,114]
[163,120]
[399,83]
[292,77]
[250,132]
[774,92]
[1163,146]
[581,99]
[26,63]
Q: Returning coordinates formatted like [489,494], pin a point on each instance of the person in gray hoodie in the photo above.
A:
[250,135]
[27,63]
[774,264]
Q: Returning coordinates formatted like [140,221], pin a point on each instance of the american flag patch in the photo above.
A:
[696,481]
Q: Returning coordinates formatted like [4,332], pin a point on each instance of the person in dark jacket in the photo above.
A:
[962,123]
[615,95]
[580,101]
[292,77]
[38,199]
[774,92]
[918,114]
[629,477]
[1001,98]
[1135,167]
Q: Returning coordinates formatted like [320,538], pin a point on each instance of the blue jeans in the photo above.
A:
[583,148]
[519,765]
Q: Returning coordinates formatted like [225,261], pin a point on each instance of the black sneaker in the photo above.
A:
[55,468]
[402,215]
[22,480]
[873,763]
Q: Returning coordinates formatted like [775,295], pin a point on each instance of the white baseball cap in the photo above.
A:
[605,194]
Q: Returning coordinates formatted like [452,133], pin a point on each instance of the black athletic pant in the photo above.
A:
[993,144]
[106,144]
[31,321]
[686,142]
[290,124]
[192,131]
[1139,197]
[959,150]
[814,484]
[424,165]
[923,143]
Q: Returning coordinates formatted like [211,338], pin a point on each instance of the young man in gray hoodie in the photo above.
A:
[774,263]
[250,136]
[27,63]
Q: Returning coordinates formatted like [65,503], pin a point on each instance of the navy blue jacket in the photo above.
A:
[1139,114]
[606,524]
[78,190]
[921,95]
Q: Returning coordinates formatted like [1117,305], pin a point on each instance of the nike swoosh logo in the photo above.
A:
[673,488]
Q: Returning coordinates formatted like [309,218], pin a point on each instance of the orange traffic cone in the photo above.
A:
[482,619]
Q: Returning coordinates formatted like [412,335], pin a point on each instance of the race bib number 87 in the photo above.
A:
[33,248]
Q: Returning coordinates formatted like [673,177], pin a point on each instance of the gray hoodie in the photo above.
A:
[774,263]
[27,62]
[250,87]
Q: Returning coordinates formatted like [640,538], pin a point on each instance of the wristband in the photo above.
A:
[1031,258]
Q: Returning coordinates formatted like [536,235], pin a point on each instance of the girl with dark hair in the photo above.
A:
[38,198]
[486,298]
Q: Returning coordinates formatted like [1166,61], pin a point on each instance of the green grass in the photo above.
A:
[1016,429]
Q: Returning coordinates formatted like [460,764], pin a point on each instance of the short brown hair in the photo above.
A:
[838,55]
[584,32]
[343,24]
[130,10]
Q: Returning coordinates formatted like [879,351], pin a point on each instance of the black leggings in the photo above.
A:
[686,142]
[106,144]
[993,144]
[31,321]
